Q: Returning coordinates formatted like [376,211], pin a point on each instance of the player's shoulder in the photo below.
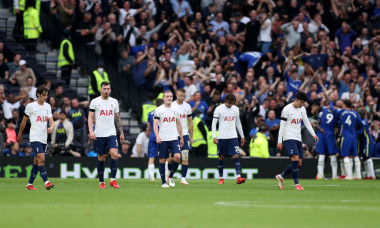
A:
[31,105]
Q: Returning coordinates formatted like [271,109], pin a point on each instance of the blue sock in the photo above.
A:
[43,172]
[184,170]
[287,171]
[169,166]
[174,168]
[33,174]
[295,172]
[101,171]
[161,168]
[220,168]
[113,167]
[237,166]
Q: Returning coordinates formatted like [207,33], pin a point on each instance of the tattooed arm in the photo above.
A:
[119,126]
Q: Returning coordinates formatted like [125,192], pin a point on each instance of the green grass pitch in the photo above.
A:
[140,203]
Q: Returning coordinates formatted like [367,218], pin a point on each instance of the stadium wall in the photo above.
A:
[136,168]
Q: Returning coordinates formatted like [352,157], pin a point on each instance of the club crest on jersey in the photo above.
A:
[42,119]
[296,121]
[229,118]
[169,119]
[106,113]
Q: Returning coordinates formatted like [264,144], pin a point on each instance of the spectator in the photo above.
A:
[9,104]
[181,8]
[291,33]
[77,116]
[127,11]
[64,12]
[344,36]
[126,62]
[140,149]
[219,26]
[351,95]
[252,32]
[4,71]
[125,149]
[265,31]
[14,65]
[58,95]
[259,144]
[97,77]
[12,150]
[3,135]
[27,150]
[11,131]
[190,88]
[31,88]
[62,136]
[20,76]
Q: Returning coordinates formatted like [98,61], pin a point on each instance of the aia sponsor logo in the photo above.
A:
[169,119]
[106,113]
[296,121]
[229,118]
[42,119]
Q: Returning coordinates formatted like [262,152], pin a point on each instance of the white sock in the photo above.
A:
[112,179]
[238,176]
[29,184]
[342,168]
[357,167]
[321,165]
[334,166]
[371,171]
[352,166]
[166,169]
[151,170]
[348,167]
[46,182]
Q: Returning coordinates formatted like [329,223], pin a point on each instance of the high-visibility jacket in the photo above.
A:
[147,107]
[197,134]
[212,148]
[259,146]
[32,26]
[99,80]
[62,61]
[20,5]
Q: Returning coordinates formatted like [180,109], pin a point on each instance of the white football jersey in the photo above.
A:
[39,117]
[293,117]
[168,123]
[184,111]
[229,120]
[104,116]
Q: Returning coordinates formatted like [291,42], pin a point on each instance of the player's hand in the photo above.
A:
[215,141]
[50,130]
[19,139]
[122,138]
[158,139]
[181,142]
[322,131]
[316,139]
[279,146]
[92,136]
[242,141]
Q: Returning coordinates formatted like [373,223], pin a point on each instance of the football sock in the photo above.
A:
[220,168]
[174,169]
[295,172]
[348,167]
[334,165]
[151,170]
[352,166]
[357,167]
[371,171]
[113,167]
[166,169]
[321,165]
[101,171]
[184,170]
[43,172]
[33,174]
[237,166]
[287,171]
[161,168]
[342,167]
[170,166]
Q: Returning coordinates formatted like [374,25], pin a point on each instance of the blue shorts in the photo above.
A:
[348,146]
[186,143]
[38,147]
[103,144]
[293,147]
[366,148]
[326,144]
[166,147]
[228,147]
[152,149]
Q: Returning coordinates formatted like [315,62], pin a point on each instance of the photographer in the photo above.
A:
[62,137]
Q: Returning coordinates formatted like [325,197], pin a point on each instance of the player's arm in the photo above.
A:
[360,125]
[119,126]
[240,129]
[51,125]
[308,125]
[90,121]
[284,119]
[213,125]
[191,127]
[155,128]
[148,126]
[22,127]
[179,128]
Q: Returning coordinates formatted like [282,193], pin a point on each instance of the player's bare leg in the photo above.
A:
[114,164]
[151,169]
[42,169]
[162,172]
[100,169]
[220,168]
[185,165]
[237,165]
[33,174]
[176,160]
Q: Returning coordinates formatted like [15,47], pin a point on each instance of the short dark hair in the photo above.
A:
[217,92]
[159,102]
[301,96]
[41,90]
[182,90]
[347,103]
[230,98]
[105,83]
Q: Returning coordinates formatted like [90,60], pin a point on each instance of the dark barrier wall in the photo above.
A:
[136,168]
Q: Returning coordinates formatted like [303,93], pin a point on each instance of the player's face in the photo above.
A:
[42,97]
[105,91]
[181,96]
[229,104]
[168,98]
[299,103]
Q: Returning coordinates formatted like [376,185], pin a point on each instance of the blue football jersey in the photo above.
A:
[328,120]
[350,123]
[152,136]
[366,136]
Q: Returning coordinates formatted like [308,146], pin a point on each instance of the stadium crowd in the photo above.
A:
[262,51]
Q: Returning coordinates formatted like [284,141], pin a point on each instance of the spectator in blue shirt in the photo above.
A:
[345,36]
[219,26]
[271,121]
[181,8]
[198,103]
[315,60]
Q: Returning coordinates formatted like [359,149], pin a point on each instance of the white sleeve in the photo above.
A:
[92,105]
[307,122]
[238,125]
[116,107]
[156,113]
[49,113]
[189,110]
[28,110]
[214,122]
[284,116]
[140,139]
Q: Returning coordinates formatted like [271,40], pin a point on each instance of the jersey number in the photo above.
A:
[348,121]
[237,149]
[179,147]
[329,118]
[188,143]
